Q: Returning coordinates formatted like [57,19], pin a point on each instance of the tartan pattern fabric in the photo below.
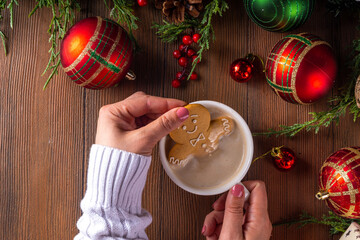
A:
[106,58]
[287,62]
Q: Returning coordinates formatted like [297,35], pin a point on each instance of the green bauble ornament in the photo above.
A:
[279,15]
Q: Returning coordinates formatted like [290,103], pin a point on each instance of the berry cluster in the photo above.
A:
[184,55]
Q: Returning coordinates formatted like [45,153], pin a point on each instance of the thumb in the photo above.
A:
[234,214]
[166,123]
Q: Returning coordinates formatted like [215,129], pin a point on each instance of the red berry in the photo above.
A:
[181,76]
[194,57]
[176,83]
[177,54]
[193,76]
[182,47]
[183,61]
[190,52]
[196,37]
[187,40]
[142,3]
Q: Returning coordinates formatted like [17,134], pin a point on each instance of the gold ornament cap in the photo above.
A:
[322,195]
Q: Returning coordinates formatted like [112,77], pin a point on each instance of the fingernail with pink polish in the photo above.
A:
[203,230]
[237,190]
[182,113]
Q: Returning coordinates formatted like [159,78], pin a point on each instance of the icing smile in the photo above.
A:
[195,129]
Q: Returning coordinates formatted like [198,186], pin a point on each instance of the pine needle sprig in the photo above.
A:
[123,12]
[337,6]
[215,7]
[63,16]
[336,223]
[341,104]
[10,6]
[170,32]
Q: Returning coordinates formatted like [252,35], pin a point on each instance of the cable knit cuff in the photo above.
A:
[116,178]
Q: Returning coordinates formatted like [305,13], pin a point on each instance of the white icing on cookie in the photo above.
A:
[194,141]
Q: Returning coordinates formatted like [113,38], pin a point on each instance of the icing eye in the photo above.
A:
[203,145]
[184,127]
[194,121]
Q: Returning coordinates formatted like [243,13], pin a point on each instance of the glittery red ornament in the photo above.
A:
[241,70]
[301,68]
[284,158]
[96,53]
[340,182]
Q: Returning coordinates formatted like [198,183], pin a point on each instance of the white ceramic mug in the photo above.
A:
[246,161]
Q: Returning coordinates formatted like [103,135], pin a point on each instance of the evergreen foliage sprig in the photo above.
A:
[122,11]
[340,104]
[63,14]
[10,6]
[336,223]
[170,32]
[336,6]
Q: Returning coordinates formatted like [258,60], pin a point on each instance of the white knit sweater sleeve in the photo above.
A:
[112,203]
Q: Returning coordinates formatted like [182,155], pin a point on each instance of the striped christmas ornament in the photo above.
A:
[279,15]
[340,182]
[96,53]
[301,68]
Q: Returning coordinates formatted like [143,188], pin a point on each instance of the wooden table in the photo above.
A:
[45,136]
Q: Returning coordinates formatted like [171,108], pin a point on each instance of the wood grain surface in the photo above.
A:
[45,136]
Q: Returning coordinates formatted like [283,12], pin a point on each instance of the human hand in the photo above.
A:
[137,123]
[228,221]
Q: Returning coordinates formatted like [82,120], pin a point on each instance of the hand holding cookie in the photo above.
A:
[137,123]
[198,134]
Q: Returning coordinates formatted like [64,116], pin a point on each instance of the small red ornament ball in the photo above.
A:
[96,53]
[241,70]
[183,61]
[284,158]
[176,83]
[196,37]
[187,40]
[142,3]
[339,182]
[301,68]
[190,52]
[194,76]
[177,54]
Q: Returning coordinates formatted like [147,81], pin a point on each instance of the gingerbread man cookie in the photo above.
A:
[199,134]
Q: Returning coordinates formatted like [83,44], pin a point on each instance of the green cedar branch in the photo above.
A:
[170,32]
[336,223]
[123,12]
[63,16]
[10,6]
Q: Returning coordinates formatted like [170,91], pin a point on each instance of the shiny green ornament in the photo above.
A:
[279,15]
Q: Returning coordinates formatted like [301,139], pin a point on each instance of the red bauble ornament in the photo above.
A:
[284,158]
[301,68]
[340,182]
[96,53]
[241,70]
